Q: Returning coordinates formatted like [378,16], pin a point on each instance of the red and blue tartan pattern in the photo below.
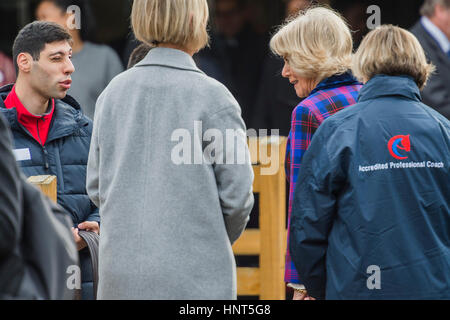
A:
[330,96]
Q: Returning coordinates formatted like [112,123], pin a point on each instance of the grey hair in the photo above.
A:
[428,6]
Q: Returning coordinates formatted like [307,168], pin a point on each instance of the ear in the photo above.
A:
[24,62]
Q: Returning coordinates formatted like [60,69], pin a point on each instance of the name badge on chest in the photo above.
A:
[22,154]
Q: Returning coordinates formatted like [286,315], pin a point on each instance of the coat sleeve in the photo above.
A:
[95,215]
[303,126]
[234,178]
[10,194]
[313,212]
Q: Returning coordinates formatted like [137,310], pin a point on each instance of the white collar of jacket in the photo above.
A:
[171,58]
[436,33]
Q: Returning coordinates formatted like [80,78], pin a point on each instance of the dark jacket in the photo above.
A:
[11,216]
[32,266]
[64,155]
[374,192]
[437,92]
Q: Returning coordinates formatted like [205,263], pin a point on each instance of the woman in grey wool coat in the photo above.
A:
[169,167]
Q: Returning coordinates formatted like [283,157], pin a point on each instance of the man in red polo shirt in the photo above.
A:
[38,85]
[51,134]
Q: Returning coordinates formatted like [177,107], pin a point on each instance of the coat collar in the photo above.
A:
[171,58]
[384,86]
[67,117]
[345,79]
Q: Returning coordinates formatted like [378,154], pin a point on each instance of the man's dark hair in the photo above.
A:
[34,36]
[138,54]
[87,15]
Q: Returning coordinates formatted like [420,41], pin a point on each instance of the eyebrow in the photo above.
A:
[59,53]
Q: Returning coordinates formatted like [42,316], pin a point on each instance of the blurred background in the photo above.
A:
[238,55]
[112,16]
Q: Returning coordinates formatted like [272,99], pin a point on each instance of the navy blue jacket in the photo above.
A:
[64,154]
[374,195]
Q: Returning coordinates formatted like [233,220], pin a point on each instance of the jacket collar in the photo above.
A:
[171,58]
[67,116]
[436,34]
[345,79]
[384,86]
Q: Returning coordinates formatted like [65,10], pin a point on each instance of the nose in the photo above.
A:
[286,72]
[69,67]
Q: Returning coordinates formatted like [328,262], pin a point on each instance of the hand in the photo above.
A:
[81,244]
[309,298]
[90,226]
[299,295]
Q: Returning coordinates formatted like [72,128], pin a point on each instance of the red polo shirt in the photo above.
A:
[37,126]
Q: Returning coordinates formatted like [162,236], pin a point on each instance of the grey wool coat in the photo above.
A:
[170,206]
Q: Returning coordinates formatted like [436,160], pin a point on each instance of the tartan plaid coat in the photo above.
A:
[331,95]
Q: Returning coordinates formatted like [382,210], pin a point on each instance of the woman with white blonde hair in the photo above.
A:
[170,208]
[316,46]
[371,211]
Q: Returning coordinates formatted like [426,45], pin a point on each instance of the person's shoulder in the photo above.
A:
[215,94]
[308,103]
[119,85]
[352,111]
[196,82]
[417,27]
[127,77]
[436,116]
[71,109]
[200,84]
[325,101]
[312,104]
[212,83]
[217,89]
[346,118]
[345,94]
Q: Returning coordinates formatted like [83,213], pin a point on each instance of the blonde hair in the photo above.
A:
[317,43]
[394,51]
[178,22]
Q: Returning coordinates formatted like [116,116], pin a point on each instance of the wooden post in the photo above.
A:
[272,223]
[269,241]
[47,184]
